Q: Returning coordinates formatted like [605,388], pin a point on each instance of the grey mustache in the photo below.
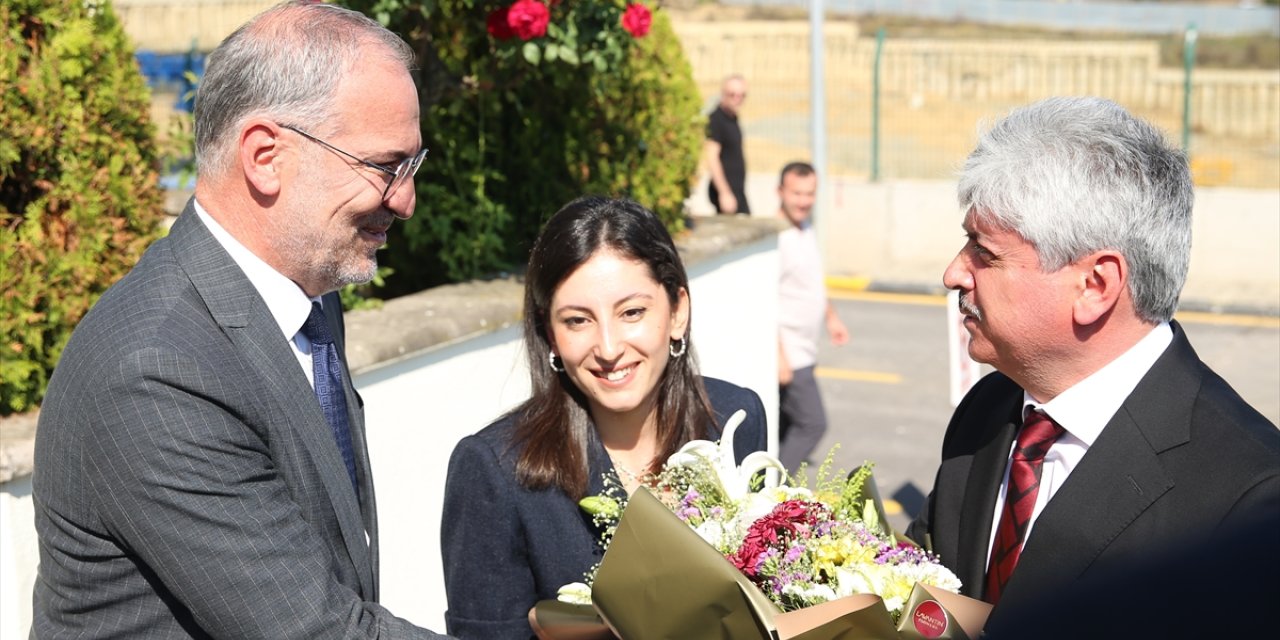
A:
[968,307]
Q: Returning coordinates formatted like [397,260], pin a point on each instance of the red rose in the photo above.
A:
[497,24]
[528,19]
[636,20]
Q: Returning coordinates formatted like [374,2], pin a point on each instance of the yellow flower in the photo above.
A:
[830,553]
[829,498]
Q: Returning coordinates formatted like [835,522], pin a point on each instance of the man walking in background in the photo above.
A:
[723,150]
[200,462]
[803,311]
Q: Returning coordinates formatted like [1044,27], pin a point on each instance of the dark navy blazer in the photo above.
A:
[506,547]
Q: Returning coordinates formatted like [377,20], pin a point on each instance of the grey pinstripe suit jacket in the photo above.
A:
[186,483]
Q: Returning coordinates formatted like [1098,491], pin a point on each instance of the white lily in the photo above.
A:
[733,478]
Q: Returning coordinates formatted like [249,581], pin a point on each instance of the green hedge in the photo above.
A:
[517,129]
[78,195]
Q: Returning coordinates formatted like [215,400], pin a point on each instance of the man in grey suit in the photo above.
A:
[1102,440]
[200,466]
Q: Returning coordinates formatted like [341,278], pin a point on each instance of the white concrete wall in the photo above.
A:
[419,407]
[18,558]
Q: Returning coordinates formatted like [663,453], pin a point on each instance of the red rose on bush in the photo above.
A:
[528,19]
[497,25]
[636,20]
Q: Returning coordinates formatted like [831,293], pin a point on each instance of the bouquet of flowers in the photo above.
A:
[803,563]
[801,547]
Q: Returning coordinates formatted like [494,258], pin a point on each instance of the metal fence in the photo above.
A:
[935,94]
[1248,16]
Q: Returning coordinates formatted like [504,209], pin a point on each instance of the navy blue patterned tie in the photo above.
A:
[330,389]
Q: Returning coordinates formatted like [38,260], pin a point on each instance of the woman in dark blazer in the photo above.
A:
[616,391]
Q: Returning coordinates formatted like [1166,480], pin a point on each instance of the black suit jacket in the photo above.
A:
[1183,456]
[507,547]
[186,482]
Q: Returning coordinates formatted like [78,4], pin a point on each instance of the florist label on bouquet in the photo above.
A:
[937,613]
[930,619]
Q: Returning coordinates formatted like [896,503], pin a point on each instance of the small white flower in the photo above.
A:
[931,574]
[711,531]
[810,593]
[758,505]
[574,593]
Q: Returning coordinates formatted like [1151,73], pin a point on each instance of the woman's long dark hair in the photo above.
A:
[552,427]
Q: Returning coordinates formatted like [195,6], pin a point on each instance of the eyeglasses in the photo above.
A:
[402,172]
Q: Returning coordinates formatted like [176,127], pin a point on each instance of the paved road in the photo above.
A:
[887,390]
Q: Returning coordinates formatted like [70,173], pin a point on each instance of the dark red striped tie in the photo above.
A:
[1037,435]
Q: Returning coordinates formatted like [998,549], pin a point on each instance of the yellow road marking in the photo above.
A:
[848,283]
[858,376]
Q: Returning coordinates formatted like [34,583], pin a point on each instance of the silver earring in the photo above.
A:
[551,357]
[684,346]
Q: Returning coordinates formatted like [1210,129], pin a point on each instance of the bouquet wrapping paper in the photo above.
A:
[660,581]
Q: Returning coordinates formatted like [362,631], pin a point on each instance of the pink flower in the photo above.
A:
[528,19]
[636,20]
[497,25]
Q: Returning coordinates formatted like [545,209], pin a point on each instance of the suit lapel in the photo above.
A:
[1113,485]
[1119,478]
[981,491]
[236,306]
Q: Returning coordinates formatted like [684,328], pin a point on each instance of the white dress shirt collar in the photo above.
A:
[286,301]
[1085,408]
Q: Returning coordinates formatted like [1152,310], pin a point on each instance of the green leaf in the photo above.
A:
[532,53]
[600,505]
[569,55]
[552,52]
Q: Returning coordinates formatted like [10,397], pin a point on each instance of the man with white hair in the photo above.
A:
[1101,438]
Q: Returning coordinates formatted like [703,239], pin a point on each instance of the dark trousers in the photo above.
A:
[802,418]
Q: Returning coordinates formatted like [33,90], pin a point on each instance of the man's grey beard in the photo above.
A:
[346,274]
